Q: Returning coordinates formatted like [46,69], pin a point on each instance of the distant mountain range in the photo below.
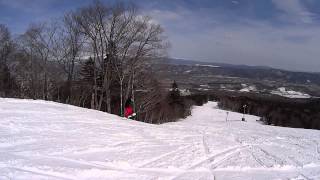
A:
[242,66]
[193,62]
[253,72]
[196,75]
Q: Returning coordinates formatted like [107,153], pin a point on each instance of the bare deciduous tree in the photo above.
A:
[6,49]
[6,45]
[38,42]
[67,51]
[122,41]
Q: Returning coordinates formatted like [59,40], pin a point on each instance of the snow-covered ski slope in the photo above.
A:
[46,140]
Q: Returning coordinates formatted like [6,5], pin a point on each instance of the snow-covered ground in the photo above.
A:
[46,140]
[289,93]
[246,88]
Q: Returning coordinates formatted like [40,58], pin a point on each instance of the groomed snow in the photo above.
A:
[46,140]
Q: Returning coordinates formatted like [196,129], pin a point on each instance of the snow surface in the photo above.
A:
[47,140]
[246,88]
[290,94]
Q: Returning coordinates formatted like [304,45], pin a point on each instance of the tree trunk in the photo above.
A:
[121,96]
[132,92]
[92,101]
[107,86]
[108,94]
[45,88]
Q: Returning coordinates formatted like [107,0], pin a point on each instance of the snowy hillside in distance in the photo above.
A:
[47,140]
[289,93]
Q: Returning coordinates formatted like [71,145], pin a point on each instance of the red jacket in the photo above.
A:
[128,111]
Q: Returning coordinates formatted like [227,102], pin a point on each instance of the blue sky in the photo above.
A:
[279,33]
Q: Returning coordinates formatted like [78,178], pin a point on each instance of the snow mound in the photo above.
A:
[47,140]
[290,94]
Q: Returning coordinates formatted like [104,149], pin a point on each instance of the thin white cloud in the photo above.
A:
[286,48]
[235,2]
[294,11]
[165,15]
[38,7]
[252,42]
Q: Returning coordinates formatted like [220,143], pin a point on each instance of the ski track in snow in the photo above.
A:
[47,140]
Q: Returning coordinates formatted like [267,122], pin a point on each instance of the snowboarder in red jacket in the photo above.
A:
[128,109]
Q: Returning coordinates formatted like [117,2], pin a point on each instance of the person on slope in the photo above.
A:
[128,109]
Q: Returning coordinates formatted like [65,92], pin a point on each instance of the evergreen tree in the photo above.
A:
[176,102]
[175,93]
